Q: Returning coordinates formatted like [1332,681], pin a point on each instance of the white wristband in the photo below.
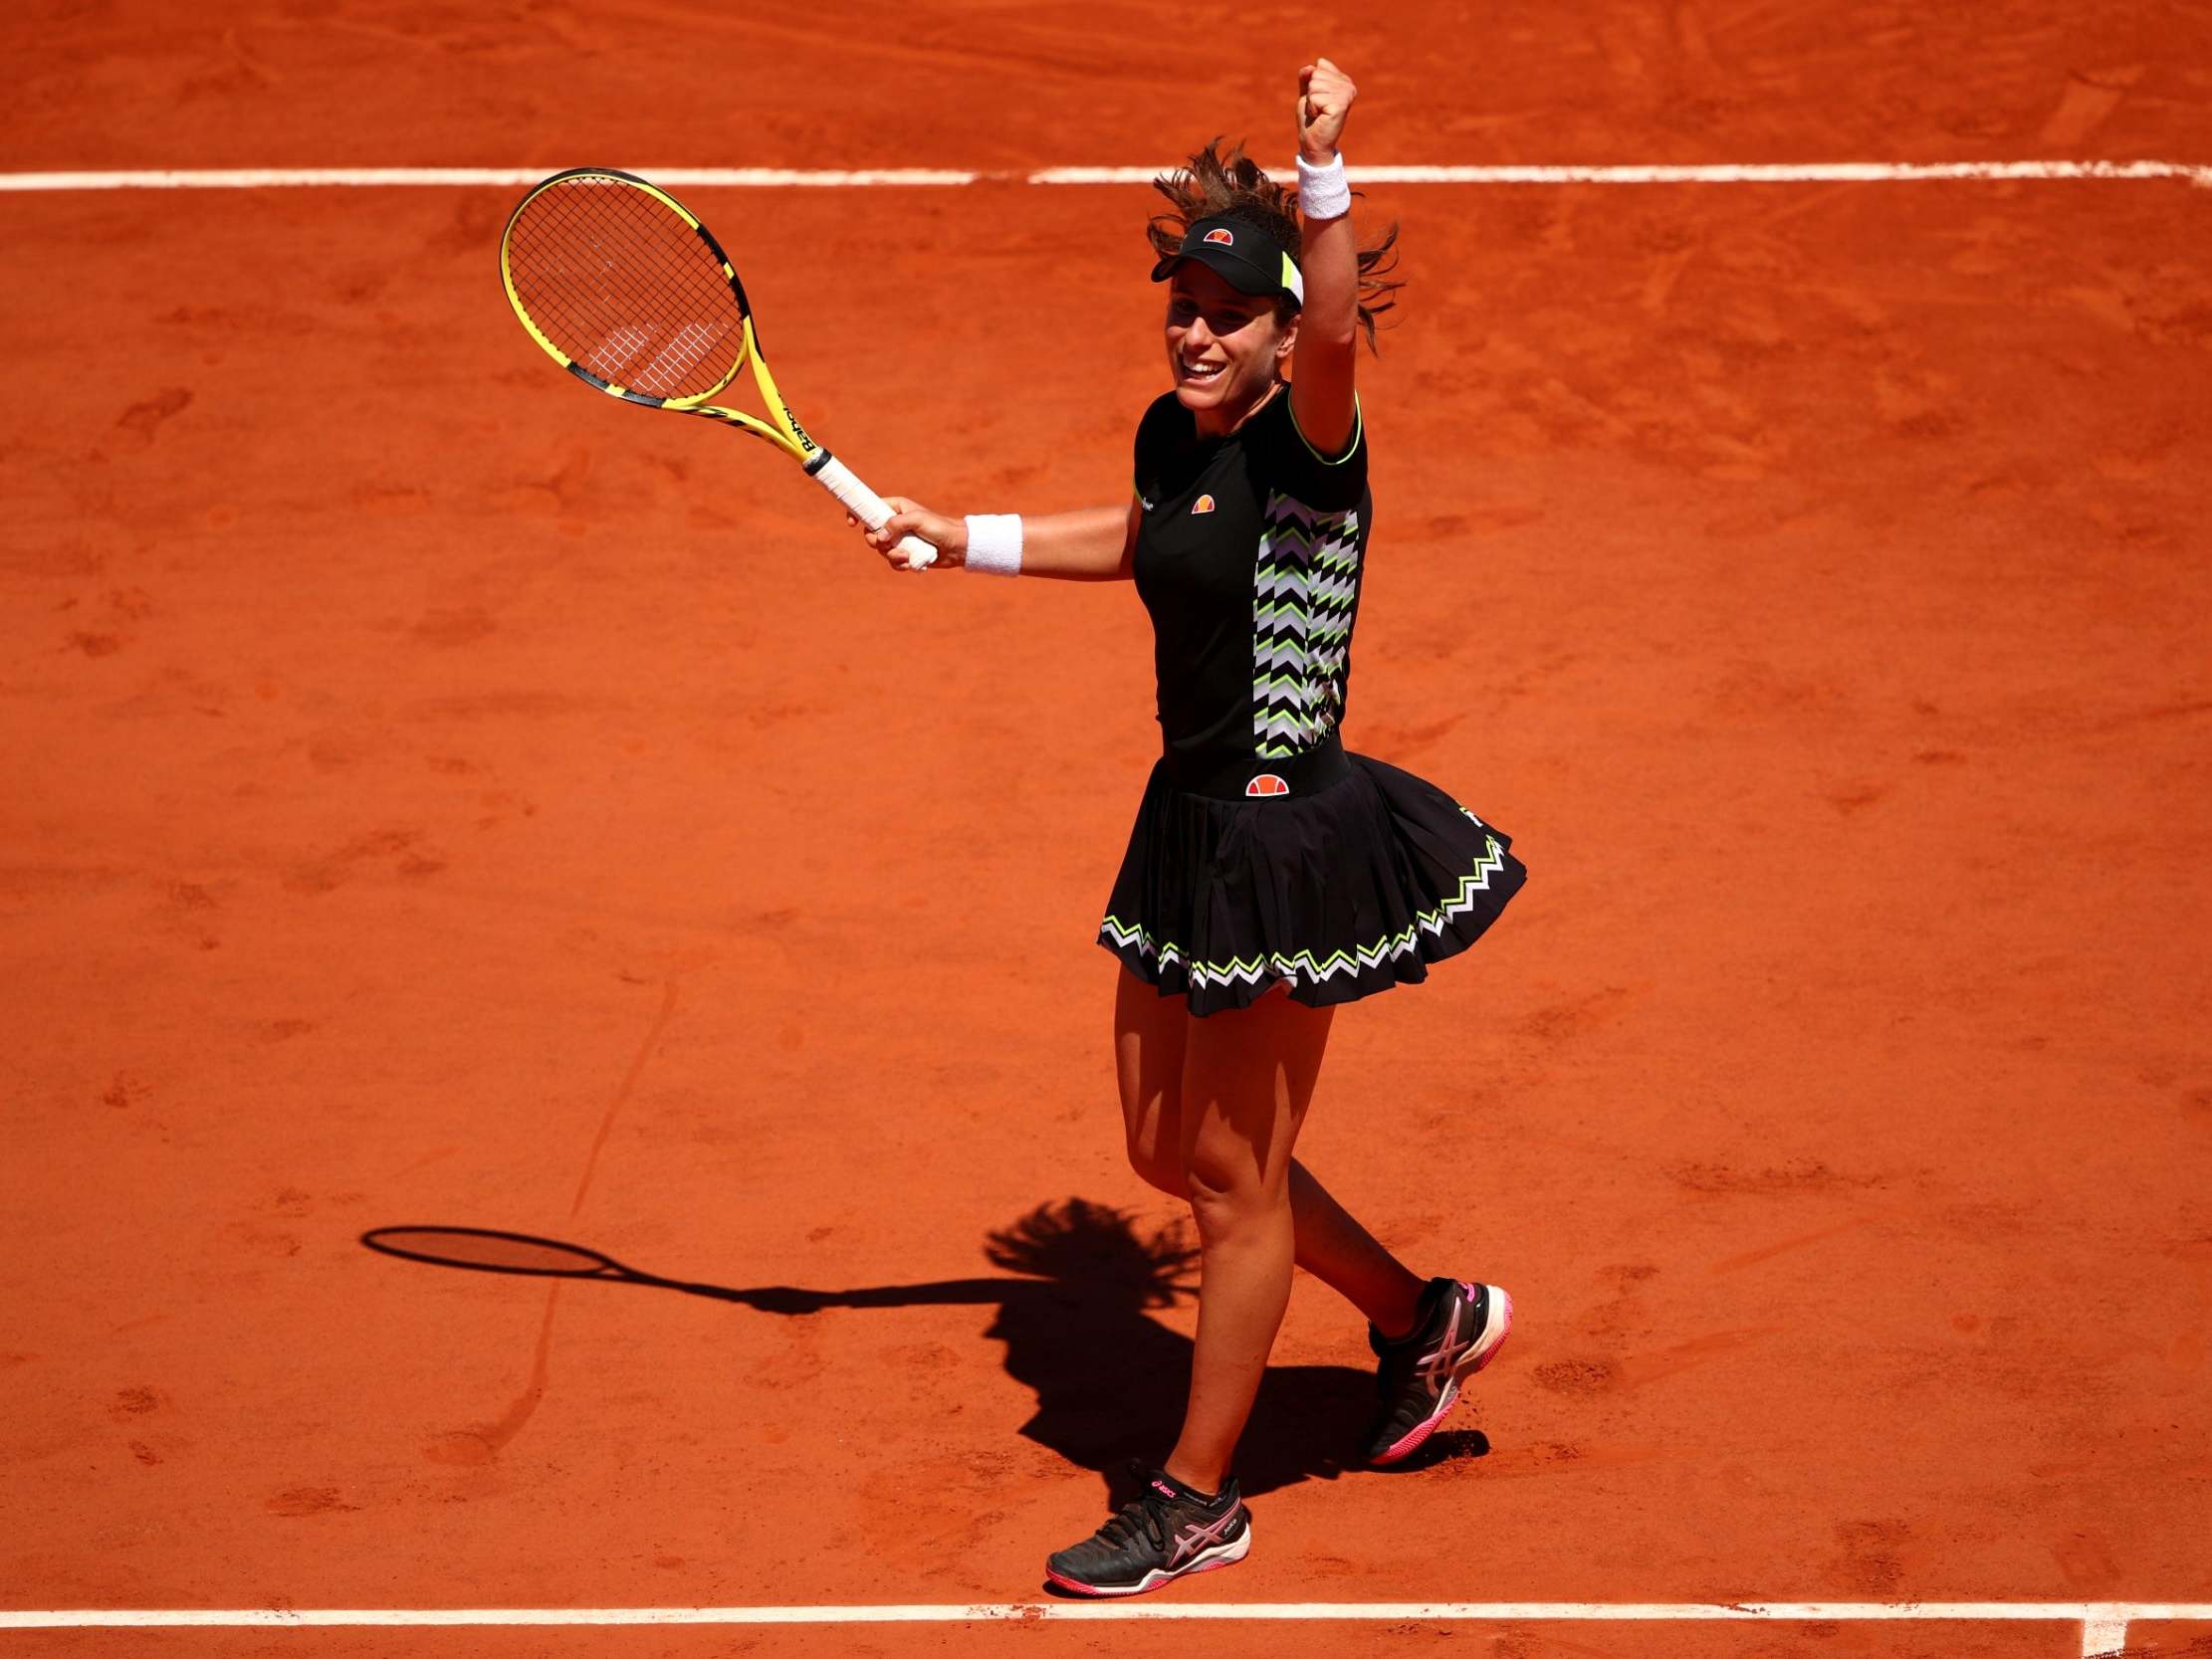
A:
[995,543]
[1322,191]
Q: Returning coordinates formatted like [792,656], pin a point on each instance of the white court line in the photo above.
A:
[263,178]
[1806,172]
[1784,172]
[2104,1623]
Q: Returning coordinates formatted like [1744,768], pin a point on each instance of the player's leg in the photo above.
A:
[1148,1068]
[1247,1078]
[1344,1256]
[1174,1526]
[1247,1081]
[1331,1244]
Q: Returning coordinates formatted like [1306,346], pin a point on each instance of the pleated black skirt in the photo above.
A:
[1339,891]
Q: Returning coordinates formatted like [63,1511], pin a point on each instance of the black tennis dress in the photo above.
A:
[1263,850]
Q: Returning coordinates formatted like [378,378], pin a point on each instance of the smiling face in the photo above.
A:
[1226,348]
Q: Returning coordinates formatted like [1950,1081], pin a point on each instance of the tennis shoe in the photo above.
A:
[1165,1531]
[1458,1330]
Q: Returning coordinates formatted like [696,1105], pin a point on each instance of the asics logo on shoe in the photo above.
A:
[1188,1541]
[1436,1369]
[1165,1490]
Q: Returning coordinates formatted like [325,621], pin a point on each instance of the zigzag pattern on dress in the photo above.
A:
[1304,587]
[1240,971]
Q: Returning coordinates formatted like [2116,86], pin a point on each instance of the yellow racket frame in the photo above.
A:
[782,428]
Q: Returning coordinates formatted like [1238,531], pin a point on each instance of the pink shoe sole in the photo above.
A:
[1212,1561]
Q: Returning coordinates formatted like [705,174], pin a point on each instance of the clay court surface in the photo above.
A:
[437,796]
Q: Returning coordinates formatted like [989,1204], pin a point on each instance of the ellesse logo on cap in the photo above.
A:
[1267,784]
[1204,503]
[1221,236]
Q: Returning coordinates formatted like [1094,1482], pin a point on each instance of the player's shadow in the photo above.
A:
[1079,1332]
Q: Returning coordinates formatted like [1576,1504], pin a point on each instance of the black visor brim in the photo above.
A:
[1225,263]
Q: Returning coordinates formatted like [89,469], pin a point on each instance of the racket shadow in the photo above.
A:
[1076,1315]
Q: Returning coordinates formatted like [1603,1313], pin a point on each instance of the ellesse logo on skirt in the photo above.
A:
[1267,784]
[1204,503]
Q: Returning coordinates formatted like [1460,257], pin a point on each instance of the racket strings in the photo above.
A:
[627,289]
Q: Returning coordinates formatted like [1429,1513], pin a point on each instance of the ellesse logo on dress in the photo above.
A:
[1204,503]
[1223,237]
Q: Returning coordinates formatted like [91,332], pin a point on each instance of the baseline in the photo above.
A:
[831,178]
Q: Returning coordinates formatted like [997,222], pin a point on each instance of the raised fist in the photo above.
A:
[1325,94]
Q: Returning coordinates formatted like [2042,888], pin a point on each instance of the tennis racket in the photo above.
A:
[633,296]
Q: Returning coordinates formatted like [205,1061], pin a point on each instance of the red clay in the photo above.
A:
[438,795]
[1236,1640]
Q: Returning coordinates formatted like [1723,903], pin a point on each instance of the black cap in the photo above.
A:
[1241,253]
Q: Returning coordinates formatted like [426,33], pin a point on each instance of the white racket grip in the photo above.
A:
[871,508]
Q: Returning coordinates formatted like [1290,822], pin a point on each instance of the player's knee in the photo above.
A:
[1223,1196]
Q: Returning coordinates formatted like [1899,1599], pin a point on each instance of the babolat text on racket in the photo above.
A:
[633,296]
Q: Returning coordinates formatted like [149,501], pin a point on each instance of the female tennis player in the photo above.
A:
[1273,874]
